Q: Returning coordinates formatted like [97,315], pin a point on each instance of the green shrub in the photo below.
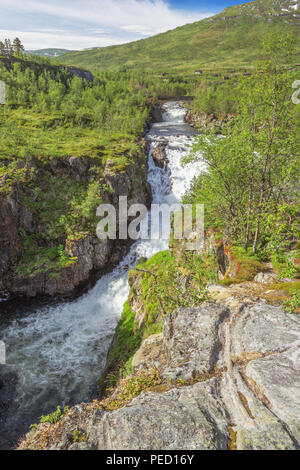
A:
[55,416]
[283,264]
[52,418]
[292,303]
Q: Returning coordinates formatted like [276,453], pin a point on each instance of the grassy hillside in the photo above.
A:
[230,38]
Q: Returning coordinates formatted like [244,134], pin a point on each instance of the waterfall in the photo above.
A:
[59,351]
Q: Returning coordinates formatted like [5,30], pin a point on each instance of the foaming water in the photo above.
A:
[59,351]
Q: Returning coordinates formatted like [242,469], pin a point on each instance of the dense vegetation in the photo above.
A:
[251,189]
[229,39]
[51,115]
[9,48]
[49,112]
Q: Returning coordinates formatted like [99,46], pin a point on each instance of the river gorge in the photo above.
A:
[56,351]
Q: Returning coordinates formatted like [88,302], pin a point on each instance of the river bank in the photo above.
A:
[220,376]
[85,255]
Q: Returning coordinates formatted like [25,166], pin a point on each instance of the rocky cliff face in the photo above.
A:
[225,375]
[207,122]
[79,72]
[10,243]
[88,252]
[8,388]
[84,74]
[159,155]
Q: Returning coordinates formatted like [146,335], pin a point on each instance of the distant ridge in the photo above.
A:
[52,52]
[231,38]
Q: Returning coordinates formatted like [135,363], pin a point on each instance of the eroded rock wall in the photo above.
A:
[92,254]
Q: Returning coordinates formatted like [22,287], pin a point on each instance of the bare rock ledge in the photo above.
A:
[254,399]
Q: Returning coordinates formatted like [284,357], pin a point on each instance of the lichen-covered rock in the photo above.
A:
[181,419]
[245,359]
[10,243]
[81,446]
[149,351]
[266,278]
[191,340]
[278,376]
[259,428]
[265,329]
[260,363]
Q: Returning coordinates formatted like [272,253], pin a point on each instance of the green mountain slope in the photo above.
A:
[232,37]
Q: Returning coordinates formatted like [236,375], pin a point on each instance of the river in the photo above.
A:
[59,350]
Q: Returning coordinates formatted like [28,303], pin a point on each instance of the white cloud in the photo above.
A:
[113,21]
[44,40]
[137,28]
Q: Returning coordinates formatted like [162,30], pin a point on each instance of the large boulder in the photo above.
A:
[189,418]
[159,155]
[235,370]
[266,278]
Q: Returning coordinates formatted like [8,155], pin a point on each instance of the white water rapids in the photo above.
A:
[59,351]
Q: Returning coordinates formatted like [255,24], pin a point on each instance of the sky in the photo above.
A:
[82,24]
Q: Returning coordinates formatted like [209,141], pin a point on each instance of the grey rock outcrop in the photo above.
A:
[159,155]
[90,254]
[266,278]
[191,340]
[148,352]
[257,339]
[244,359]
[81,73]
[176,420]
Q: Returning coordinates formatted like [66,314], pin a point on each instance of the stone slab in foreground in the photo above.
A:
[253,403]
